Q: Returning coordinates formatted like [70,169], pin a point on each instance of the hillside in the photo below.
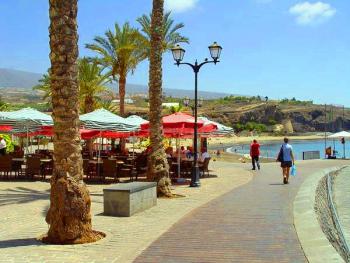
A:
[22,82]
[303,116]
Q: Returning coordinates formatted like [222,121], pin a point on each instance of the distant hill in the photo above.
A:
[10,78]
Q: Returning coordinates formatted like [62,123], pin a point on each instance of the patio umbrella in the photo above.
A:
[25,121]
[176,124]
[342,134]
[179,125]
[104,120]
[221,130]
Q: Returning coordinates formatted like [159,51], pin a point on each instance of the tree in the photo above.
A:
[158,168]
[3,105]
[170,36]
[45,86]
[121,51]
[69,213]
[92,83]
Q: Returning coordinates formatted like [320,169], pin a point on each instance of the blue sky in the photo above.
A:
[278,48]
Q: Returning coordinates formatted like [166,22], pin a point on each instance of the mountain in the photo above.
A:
[10,78]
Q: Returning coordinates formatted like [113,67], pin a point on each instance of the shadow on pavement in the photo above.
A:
[22,195]
[25,242]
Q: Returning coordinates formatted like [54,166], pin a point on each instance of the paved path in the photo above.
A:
[342,200]
[253,223]
[23,206]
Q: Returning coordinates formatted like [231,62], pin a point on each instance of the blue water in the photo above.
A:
[271,149]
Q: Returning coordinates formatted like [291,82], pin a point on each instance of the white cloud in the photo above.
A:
[312,13]
[179,6]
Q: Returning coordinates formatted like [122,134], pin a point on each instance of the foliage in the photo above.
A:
[92,83]
[10,145]
[174,109]
[120,51]
[171,36]
[45,86]
[251,126]
[3,106]
[294,101]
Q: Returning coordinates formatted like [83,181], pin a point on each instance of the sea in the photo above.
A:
[271,149]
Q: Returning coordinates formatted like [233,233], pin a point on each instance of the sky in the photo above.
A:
[275,48]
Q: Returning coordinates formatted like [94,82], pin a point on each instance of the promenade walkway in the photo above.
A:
[23,207]
[253,223]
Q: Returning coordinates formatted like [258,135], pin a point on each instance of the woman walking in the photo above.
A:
[286,158]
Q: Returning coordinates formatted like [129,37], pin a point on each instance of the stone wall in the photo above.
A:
[326,216]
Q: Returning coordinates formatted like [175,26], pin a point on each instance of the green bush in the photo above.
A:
[10,145]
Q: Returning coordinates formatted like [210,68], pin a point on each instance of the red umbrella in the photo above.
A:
[5,128]
[178,125]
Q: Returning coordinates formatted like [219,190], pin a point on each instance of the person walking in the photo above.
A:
[2,146]
[286,158]
[254,154]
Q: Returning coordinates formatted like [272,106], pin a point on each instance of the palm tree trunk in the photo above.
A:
[69,213]
[122,84]
[158,168]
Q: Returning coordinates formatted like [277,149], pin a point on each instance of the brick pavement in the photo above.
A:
[253,223]
[23,207]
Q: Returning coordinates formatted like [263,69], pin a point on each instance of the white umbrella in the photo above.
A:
[342,134]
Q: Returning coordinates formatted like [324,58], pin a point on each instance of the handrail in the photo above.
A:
[335,217]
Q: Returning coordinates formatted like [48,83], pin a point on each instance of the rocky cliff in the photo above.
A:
[303,118]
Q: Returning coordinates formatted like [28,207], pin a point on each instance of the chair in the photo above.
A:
[47,169]
[204,166]
[6,165]
[33,167]
[109,169]
[17,168]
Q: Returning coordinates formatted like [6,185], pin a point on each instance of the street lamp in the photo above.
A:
[187,103]
[178,54]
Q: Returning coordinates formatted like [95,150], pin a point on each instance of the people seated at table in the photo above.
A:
[169,152]
[204,155]
[189,152]
[2,146]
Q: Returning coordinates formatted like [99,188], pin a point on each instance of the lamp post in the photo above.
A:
[187,103]
[178,54]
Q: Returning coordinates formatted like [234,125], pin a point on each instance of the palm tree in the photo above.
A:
[158,168]
[45,86]
[121,51]
[92,83]
[170,34]
[69,213]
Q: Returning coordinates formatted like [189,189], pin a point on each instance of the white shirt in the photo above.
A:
[204,155]
[2,144]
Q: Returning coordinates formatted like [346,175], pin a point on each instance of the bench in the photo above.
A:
[129,198]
